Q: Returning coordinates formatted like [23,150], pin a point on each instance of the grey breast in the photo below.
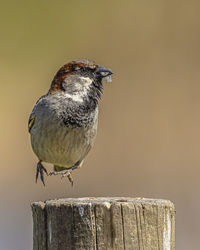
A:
[55,142]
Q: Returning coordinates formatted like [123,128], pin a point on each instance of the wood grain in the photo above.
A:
[104,223]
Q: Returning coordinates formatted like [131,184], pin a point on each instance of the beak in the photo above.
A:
[103,72]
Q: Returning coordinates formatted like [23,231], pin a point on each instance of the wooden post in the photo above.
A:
[104,223]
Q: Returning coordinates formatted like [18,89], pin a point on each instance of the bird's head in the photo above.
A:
[80,77]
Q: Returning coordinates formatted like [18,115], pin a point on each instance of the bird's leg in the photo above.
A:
[40,171]
[63,173]
[67,172]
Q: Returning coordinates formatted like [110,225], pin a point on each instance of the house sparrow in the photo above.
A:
[63,123]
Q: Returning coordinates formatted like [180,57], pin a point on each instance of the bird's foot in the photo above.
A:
[40,171]
[63,174]
[67,172]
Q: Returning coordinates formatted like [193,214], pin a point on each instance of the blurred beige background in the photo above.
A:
[148,142]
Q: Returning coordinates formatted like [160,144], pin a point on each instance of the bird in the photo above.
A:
[63,123]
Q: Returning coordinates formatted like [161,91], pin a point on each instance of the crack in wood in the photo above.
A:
[123,233]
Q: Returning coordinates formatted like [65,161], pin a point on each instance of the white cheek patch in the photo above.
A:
[82,88]
[87,81]
[85,86]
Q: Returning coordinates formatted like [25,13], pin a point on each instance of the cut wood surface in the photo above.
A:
[104,223]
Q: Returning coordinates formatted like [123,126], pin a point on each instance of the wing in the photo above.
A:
[31,121]
[33,115]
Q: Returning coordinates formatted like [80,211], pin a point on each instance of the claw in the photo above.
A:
[40,171]
[69,176]
[67,172]
[63,174]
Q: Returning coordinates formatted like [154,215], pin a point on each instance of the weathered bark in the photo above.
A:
[104,223]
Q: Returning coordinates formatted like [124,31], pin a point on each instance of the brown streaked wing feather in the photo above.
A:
[32,115]
[31,122]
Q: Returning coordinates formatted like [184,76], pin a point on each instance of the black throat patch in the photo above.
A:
[82,114]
